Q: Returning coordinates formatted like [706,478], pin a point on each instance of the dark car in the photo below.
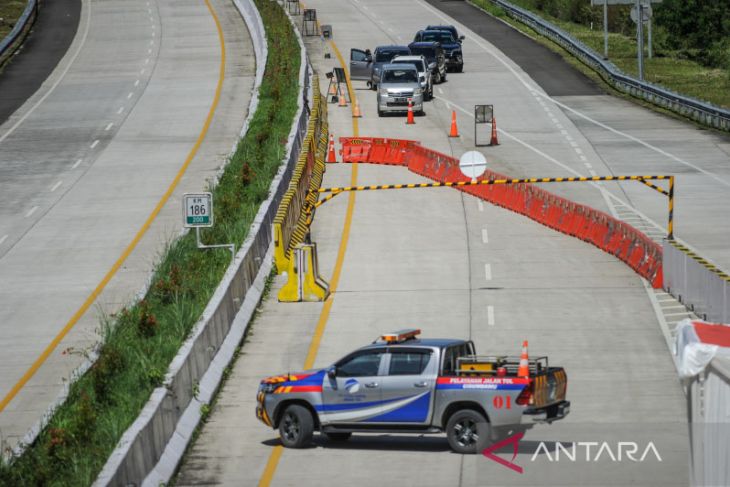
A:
[434,54]
[450,44]
[450,28]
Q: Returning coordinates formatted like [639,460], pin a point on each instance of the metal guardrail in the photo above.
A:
[699,111]
[11,42]
[696,283]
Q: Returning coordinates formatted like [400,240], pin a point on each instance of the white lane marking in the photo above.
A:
[108,127]
[149,51]
[76,164]
[485,235]
[95,143]
[592,172]
[147,61]
[564,132]
[574,144]
[57,82]
[141,71]
[440,91]
[152,43]
[567,136]
[490,315]
[121,109]
[578,150]
[391,30]
[481,205]
[583,158]
[559,125]
[488,271]
[31,211]
[3,238]
[130,95]
[136,83]
[153,32]
[365,7]
[588,165]
[535,91]
[55,186]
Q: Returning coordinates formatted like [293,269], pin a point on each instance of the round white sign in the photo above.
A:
[473,164]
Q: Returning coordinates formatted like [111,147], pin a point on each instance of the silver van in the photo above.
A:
[424,74]
[398,84]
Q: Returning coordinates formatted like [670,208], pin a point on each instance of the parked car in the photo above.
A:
[450,28]
[366,66]
[434,54]
[398,84]
[450,44]
[424,74]
[401,383]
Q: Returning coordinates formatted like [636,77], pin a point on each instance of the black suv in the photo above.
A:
[435,56]
[446,36]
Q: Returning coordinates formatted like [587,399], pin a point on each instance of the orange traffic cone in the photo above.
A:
[410,120]
[333,91]
[494,140]
[356,110]
[524,369]
[343,102]
[331,157]
[454,129]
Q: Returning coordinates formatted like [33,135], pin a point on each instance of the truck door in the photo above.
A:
[361,65]
[355,393]
[408,386]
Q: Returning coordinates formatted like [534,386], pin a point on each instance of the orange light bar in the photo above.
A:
[401,335]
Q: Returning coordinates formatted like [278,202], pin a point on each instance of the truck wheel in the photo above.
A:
[338,436]
[296,426]
[467,431]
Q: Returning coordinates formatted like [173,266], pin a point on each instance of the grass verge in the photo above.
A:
[680,75]
[10,12]
[141,340]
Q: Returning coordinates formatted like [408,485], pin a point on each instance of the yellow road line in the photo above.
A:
[275,455]
[128,250]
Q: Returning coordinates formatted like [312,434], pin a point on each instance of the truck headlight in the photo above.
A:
[417,91]
[267,388]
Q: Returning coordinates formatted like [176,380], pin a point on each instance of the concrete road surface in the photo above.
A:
[84,162]
[456,267]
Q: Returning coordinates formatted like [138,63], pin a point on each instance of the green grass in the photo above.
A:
[141,340]
[10,11]
[666,68]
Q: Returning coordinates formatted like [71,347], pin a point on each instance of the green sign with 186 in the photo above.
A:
[197,210]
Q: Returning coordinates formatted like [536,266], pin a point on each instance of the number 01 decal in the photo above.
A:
[500,402]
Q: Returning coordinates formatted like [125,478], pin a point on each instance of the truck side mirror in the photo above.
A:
[332,372]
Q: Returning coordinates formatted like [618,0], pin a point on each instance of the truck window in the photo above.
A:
[361,365]
[451,354]
[408,363]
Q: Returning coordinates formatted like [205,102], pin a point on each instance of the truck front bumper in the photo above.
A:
[548,414]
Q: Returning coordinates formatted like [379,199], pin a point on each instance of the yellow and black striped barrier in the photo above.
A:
[700,260]
[644,179]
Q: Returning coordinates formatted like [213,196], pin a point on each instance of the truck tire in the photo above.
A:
[296,426]
[338,436]
[467,431]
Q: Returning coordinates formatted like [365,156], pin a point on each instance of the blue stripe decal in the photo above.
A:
[313,380]
[354,405]
[413,412]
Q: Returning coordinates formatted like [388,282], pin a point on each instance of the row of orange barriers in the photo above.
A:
[593,226]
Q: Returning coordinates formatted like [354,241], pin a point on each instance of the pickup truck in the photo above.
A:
[403,384]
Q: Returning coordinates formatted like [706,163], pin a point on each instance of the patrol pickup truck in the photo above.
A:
[403,384]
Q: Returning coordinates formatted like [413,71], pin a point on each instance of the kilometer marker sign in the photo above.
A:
[197,210]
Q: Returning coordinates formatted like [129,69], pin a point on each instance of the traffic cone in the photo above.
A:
[343,102]
[331,157]
[333,91]
[494,140]
[410,120]
[454,129]
[524,369]
[356,110]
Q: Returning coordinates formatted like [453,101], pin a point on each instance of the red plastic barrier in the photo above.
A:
[605,232]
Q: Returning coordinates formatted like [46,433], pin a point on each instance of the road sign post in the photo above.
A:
[646,15]
[197,214]
[483,114]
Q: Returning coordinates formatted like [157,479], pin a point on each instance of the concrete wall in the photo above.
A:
[151,448]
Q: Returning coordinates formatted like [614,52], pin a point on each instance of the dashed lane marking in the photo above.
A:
[76,164]
[108,127]
[490,315]
[488,272]
[55,186]
[485,236]
[31,211]
[94,144]
[3,238]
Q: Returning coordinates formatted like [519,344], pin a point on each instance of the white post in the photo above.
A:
[605,29]
[649,33]
[640,38]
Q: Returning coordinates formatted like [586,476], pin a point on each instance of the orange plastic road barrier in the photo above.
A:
[524,369]
[410,120]
[454,129]
[494,140]
[356,110]
[331,157]
[343,102]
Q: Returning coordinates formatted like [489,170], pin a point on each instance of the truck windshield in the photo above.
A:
[400,76]
[441,36]
[417,63]
[428,52]
[386,55]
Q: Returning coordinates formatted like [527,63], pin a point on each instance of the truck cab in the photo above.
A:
[401,383]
